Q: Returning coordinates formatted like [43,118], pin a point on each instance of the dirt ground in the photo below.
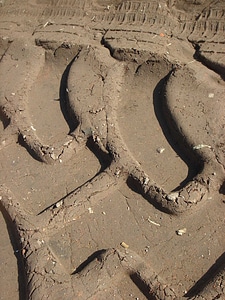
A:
[112,181]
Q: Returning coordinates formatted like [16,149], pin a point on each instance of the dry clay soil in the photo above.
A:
[112,144]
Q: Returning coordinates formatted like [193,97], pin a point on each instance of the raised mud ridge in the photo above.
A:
[96,55]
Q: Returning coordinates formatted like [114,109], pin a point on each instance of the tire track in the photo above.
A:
[132,20]
[151,16]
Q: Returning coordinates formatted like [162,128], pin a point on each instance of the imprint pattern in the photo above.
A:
[103,66]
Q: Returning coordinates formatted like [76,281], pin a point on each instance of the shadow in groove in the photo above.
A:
[31,151]
[3,118]
[207,277]
[96,255]
[67,112]
[136,187]
[103,157]
[222,188]
[143,287]
[216,67]
[172,133]
[15,241]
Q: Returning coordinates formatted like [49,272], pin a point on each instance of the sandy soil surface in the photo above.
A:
[112,181]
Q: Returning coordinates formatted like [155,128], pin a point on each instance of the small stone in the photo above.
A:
[181,231]
[173,196]
[90,210]
[160,150]
[146,181]
[58,204]
[117,172]
[124,245]
[211,95]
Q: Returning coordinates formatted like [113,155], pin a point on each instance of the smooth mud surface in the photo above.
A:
[112,151]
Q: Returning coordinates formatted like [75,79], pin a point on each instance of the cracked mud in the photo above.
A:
[112,149]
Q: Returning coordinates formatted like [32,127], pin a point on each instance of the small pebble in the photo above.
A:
[160,150]
[90,210]
[58,204]
[210,95]
[124,245]
[173,196]
[181,231]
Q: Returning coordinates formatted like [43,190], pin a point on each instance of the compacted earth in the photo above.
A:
[112,149]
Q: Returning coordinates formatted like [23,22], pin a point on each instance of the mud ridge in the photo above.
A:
[210,278]
[171,132]
[202,57]
[14,235]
